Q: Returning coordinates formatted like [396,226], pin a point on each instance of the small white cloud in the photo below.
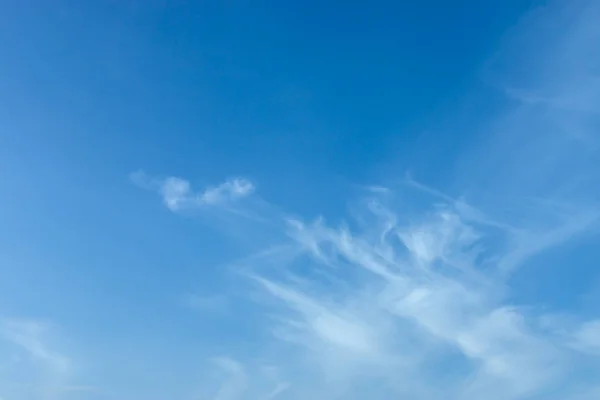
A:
[232,189]
[177,193]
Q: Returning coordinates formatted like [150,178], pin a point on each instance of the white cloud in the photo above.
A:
[177,193]
[315,318]
[379,308]
[375,315]
[228,190]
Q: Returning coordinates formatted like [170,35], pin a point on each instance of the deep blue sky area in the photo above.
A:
[158,84]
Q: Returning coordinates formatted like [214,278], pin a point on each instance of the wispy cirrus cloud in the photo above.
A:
[29,336]
[414,294]
[380,311]
[355,309]
[37,368]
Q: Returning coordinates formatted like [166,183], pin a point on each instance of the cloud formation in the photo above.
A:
[177,193]
[415,294]
[414,309]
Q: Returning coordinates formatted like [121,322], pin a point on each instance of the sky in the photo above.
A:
[256,200]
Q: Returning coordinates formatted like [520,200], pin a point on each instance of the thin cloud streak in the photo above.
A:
[40,369]
[29,335]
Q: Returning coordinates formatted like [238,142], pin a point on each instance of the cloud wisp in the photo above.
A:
[37,368]
[28,335]
[177,193]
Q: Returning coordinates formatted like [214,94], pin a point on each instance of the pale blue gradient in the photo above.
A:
[236,200]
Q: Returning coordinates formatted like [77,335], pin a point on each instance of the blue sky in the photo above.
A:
[237,200]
